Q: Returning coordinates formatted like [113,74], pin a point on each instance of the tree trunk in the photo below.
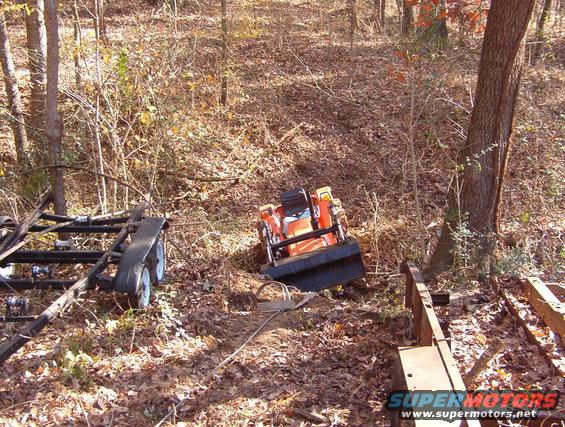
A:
[77,34]
[37,53]
[482,162]
[442,31]
[539,38]
[376,12]
[407,18]
[53,121]
[225,47]
[433,26]
[383,14]
[100,21]
[13,95]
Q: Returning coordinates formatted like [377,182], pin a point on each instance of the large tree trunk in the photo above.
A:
[13,95]
[407,17]
[53,121]
[540,28]
[483,159]
[37,54]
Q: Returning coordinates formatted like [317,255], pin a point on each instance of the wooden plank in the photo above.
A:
[426,322]
[547,305]
[558,290]
[553,364]
[421,368]
[428,329]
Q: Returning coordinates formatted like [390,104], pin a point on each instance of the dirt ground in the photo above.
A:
[306,109]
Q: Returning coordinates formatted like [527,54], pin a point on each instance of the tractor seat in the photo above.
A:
[294,202]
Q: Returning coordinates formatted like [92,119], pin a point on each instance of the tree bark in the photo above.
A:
[13,95]
[407,18]
[540,27]
[383,14]
[37,53]
[53,121]
[483,160]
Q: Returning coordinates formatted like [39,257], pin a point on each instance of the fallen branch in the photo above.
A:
[481,364]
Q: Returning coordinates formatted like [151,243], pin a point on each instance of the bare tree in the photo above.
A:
[77,34]
[100,21]
[540,29]
[225,54]
[53,121]
[407,17]
[37,52]
[379,12]
[483,160]
[13,95]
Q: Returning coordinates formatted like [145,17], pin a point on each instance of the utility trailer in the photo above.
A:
[131,264]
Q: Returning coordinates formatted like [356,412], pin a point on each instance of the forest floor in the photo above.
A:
[305,109]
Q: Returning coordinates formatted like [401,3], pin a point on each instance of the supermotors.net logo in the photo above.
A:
[452,405]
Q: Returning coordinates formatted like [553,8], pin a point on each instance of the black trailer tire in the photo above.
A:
[159,263]
[141,297]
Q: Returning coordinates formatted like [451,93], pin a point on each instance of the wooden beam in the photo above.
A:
[553,364]
[427,328]
[547,305]
[420,368]
[558,290]
[426,324]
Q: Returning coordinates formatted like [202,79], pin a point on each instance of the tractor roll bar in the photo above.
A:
[310,235]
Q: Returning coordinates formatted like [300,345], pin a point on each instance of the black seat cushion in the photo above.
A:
[294,201]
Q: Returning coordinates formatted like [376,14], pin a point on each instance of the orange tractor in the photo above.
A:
[306,241]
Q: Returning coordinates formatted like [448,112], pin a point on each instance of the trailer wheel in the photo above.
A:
[160,262]
[142,296]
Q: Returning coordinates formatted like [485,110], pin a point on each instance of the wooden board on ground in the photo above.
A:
[557,366]
[428,331]
[548,306]
[421,368]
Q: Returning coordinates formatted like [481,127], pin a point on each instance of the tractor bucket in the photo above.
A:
[313,271]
